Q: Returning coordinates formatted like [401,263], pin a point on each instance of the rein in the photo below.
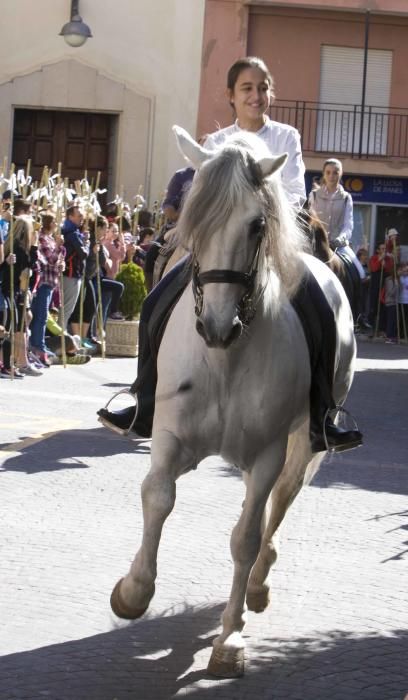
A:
[247,305]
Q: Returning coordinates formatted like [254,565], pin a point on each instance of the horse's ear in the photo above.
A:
[269,166]
[190,149]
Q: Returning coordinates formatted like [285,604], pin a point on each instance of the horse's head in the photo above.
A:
[228,222]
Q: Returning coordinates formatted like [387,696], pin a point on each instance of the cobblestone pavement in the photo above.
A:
[70,520]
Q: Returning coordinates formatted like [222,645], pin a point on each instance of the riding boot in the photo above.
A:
[156,311]
[137,418]
[320,331]
[324,434]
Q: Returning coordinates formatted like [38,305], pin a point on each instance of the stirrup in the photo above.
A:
[339,409]
[111,426]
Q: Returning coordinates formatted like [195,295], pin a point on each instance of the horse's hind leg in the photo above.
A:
[227,659]
[132,594]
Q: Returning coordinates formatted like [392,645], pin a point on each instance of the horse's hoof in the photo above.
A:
[120,608]
[258,599]
[226,663]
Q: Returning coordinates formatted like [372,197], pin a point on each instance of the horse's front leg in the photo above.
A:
[132,594]
[227,659]
[283,494]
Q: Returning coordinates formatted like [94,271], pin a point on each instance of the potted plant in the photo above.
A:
[122,336]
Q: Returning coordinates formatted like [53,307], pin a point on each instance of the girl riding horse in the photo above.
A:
[250,91]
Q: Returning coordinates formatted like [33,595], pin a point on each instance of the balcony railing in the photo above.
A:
[380,133]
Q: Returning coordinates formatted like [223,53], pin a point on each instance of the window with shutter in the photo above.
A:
[341,87]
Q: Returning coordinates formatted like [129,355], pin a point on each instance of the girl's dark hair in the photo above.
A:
[145,218]
[147,231]
[248,62]
[126,225]
[99,222]
[47,220]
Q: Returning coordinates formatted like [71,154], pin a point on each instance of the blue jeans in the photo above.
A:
[112,291]
[39,307]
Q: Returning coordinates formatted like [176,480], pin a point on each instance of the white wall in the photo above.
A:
[152,46]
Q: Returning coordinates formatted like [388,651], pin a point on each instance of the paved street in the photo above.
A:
[70,520]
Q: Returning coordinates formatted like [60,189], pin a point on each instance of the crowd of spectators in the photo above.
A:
[57,279]
[384,300]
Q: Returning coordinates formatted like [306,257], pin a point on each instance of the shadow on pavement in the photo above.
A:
[378,350]
[50,454]
[150,660]
[377,400]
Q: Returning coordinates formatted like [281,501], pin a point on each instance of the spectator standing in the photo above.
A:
[76,252]
[25,260]
[51,255]
[115,245]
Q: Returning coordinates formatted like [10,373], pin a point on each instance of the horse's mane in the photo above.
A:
[221,184]
[315,230]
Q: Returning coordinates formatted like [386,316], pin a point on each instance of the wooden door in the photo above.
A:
[79,140]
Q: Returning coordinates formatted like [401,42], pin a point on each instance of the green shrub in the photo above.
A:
[132,277]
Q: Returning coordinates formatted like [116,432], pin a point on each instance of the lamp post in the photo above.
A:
[75,32]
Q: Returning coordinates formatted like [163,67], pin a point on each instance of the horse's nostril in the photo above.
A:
[236,331]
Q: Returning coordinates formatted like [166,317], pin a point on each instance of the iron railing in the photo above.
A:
[380,133]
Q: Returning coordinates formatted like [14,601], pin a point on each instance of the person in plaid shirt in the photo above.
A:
[51,256]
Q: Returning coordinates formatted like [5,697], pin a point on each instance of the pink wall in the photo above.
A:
[224,41]
[388,6]
[289,40]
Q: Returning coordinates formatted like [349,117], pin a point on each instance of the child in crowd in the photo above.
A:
[74,354]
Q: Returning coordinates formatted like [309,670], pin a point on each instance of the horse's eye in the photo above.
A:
[257,226]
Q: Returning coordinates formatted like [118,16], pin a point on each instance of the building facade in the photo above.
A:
[108,105]
[340,79]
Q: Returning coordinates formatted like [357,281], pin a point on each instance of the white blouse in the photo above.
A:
[279,138]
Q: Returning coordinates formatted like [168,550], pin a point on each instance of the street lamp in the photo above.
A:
[75,32]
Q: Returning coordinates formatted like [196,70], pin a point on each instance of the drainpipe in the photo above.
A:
[364,86]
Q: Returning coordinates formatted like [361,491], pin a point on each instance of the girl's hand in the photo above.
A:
[11,259]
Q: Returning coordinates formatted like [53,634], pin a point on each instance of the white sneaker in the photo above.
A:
[30,371]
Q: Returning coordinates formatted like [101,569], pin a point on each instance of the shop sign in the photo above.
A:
[365,188]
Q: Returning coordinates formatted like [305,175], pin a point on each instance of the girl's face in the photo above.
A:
[101,233]
[251,96]
[113,231]
[331,175]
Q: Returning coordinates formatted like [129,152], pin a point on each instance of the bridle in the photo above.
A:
[247,305]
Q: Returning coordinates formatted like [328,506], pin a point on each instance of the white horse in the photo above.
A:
[239,387]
